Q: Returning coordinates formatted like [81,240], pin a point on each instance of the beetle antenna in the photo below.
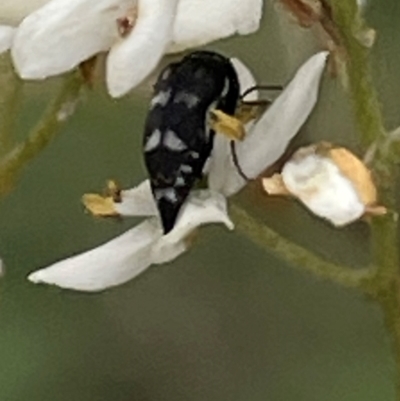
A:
[235,160]
[260,87]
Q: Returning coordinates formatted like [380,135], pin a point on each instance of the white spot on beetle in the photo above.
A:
[168,194]
[189,99]
[166,73]
[153,141]
[161,99]
[186,169]
[194,155]
[225,88]
[173,142]
[180,181]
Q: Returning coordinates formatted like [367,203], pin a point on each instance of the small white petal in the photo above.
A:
[6,37]
[203,207]
[277,127]
[128,255]
[246,78]
[132,59]
[137,201]
[202,21]
[111,264]
[319,184]
[63,33]
[221,158]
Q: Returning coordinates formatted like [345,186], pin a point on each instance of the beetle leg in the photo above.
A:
[251,110]
[99,205]
[227,125]
[103,206]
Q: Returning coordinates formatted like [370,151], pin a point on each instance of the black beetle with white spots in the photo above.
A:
[177,138]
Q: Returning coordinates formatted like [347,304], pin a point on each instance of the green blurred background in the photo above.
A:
[227,320]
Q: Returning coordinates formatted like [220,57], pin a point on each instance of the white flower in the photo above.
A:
[129,254]
[330,181]
[60,34]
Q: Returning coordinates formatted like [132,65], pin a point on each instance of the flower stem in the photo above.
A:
[10,92]
[369,118]
[299,257]
[384,230]
[57,112]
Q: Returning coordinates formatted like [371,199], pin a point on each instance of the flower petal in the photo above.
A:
[131,60]
[221,158]
[276,128]
[126,256]
[63,33]
[137,201]
[202,21]
[108,265]
[320,185]
[6,37]
[246,78]
[203,207]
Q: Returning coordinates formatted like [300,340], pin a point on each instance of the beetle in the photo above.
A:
[178,135]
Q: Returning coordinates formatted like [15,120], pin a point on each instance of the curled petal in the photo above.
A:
[6,37]
[277,127]
[63,33]
[319,184]
[330,181]
[126,256]
[131,60]
[202,21]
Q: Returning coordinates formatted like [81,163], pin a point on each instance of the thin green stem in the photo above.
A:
[365,100]
[384,231]
[299,257]
[11,89]
[52,119]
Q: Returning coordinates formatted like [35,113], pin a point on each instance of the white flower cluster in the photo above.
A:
[48,38]
[126,256]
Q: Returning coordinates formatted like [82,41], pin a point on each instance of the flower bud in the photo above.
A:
[330,181]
